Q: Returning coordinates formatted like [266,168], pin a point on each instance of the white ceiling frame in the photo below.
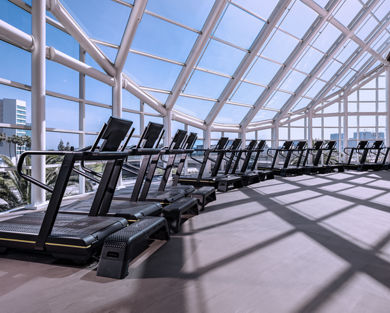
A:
[16,36]
[75,30]
[336,46]
[254,49]
[129,33]
[349,33]
[293,57]
[356,55]
[196,51]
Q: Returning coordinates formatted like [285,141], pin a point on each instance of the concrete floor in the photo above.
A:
[299,244]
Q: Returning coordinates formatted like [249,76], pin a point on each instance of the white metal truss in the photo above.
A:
[352,60]
[129,33]
[196,51]
[294,56]
[247,60]
[337,45]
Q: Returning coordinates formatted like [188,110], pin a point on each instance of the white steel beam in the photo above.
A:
[352,60]
[64,59]
[254,49]
[128,36]
[196,51]
[15,36]
[349,33]
[38,89]
[283,71]
[133,88]
[340,41]
[74,29]
[189,120]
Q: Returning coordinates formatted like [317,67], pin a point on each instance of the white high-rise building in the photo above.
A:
[12,111]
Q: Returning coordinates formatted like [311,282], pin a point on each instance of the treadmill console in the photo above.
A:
[190,142]
[251,145]
[115,131]
[330,145]
[151,135]
[261,145]
[362,144]
[317,145]
[377,144]
[235,144]
[300,145]
[286,145]
[178,139]
[221,144]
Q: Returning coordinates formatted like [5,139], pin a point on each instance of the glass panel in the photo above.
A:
[292,81]
[53,140]
[314,88]
[280,46]
[309,59]
[206,84]
[97,91]
[102,26]
[367,121]
[347,51]
[151,72]
[62,79]
[231,114]
[15,16]
[57,109]
[130,101]
[247,93]
[192,13]
[95,117]
[366,28]
[262,71]
[302,103]
[163,39]
[162,97]
[330,70]
[264,115]
[194,107]
[221,58]
[381,10]
[261,8]
[348,11]
[62,41]
[15,63]
[326,37]
[238,27]
[299,19]
[277,100]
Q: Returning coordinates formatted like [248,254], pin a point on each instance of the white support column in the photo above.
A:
[206,145]
[387,105]
[117,96]
[167,120]
[82,115]
[141,118]
[345,138]
[310,128]
[38,89]
[275,135]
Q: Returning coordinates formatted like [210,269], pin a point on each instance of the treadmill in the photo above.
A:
[181,146]
[220,182]
[110,134]
[292,156]
[359,152]
[78,237]
[318,158]
[373,157]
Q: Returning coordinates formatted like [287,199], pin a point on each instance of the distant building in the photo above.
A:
[363,135]
[12,111]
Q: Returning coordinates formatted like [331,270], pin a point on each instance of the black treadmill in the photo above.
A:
[292,156]
[248,171]
[220,182]
[370,157]
[358,152]
[110,134]
[77,237]
[318,159]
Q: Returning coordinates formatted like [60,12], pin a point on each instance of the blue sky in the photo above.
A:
[106,20]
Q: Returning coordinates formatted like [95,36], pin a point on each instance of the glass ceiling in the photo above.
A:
[309,49]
